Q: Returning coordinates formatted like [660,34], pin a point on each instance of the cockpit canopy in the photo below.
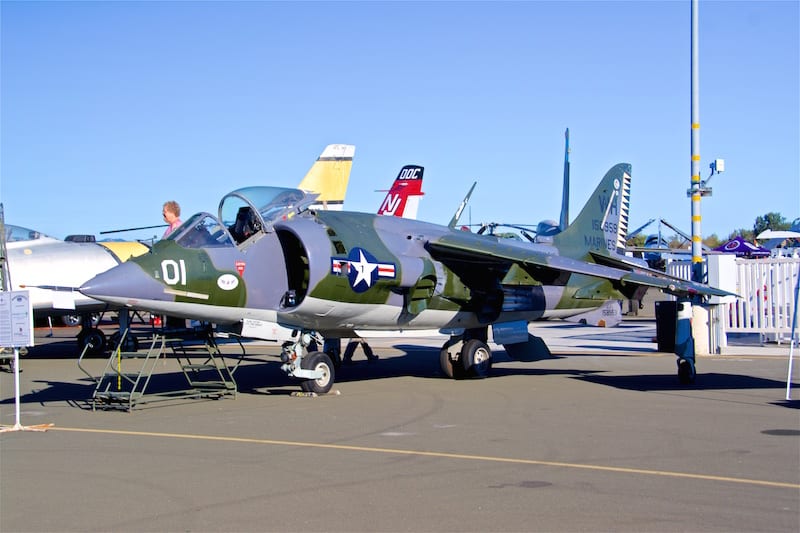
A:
[250,210]
[242,214]
[18,234]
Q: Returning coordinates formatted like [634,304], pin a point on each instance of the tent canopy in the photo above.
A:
[742,248]
[777,238]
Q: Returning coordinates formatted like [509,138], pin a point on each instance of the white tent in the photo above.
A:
[775,238]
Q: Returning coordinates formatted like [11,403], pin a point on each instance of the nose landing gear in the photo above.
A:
[315,369]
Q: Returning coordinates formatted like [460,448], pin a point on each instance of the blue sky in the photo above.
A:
[107,109]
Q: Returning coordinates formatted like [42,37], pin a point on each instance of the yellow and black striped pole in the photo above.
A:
[695,191]
[684,341]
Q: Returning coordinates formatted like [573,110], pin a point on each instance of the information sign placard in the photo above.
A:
[16,319]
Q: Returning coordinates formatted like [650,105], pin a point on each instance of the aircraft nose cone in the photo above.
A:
[123,284]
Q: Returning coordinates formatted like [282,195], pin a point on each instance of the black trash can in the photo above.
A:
[666,317]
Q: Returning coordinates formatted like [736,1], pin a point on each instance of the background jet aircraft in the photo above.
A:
[49,268]
[329,176]
[332,272]
[402,200]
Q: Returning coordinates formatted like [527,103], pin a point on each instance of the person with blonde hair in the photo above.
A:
[172,216]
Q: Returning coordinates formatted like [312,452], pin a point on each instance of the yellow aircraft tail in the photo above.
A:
[329,176]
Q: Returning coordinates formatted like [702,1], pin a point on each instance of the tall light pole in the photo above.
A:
[684,341]
[696,192]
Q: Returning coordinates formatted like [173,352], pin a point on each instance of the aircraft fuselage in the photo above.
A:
[333,271]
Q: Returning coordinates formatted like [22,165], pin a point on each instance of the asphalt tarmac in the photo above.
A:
[601,437]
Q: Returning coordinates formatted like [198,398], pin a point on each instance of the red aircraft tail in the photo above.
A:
[402,200]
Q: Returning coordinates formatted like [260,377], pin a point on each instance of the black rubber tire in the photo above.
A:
[71,320]
[77,320]
[96,340]
[451,369]
[476,358]
[686,372]
[318,361]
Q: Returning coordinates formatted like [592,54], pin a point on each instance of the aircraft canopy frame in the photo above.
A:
[266,206]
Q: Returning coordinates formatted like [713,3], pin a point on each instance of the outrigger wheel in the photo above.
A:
[319,361]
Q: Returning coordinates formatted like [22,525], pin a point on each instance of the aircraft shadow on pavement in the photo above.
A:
[74,394]
[66,349]
[607,348]
[260,375]
[789,404]
[669,382]
[79,393]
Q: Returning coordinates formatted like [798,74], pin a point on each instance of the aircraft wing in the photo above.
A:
[462,252]
[655,278]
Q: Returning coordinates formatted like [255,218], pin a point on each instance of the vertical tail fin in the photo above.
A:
[329,176]
[461,206]
[602,224]
[402,200]
[564,220]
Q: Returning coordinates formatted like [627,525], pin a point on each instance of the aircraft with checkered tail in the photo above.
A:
[328,274]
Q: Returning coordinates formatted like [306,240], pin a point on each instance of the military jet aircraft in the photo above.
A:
[402,200]
[48,268]
[51,268]
[331,273]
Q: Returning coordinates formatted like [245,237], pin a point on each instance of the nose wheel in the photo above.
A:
[315,369]
[319,363]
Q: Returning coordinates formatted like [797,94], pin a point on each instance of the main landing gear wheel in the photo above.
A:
[322,362]
[451,368]
[476,357]
[131,343]
[94,339]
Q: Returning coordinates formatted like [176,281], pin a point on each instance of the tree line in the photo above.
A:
[773,221]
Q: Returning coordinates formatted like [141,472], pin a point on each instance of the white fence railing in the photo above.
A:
[767,292]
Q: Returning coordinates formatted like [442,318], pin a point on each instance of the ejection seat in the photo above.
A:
[246,225]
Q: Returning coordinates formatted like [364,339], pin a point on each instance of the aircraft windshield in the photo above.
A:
[252,209]
[18,233]
[201,231]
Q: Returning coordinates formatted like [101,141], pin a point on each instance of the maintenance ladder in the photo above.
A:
[127,375]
